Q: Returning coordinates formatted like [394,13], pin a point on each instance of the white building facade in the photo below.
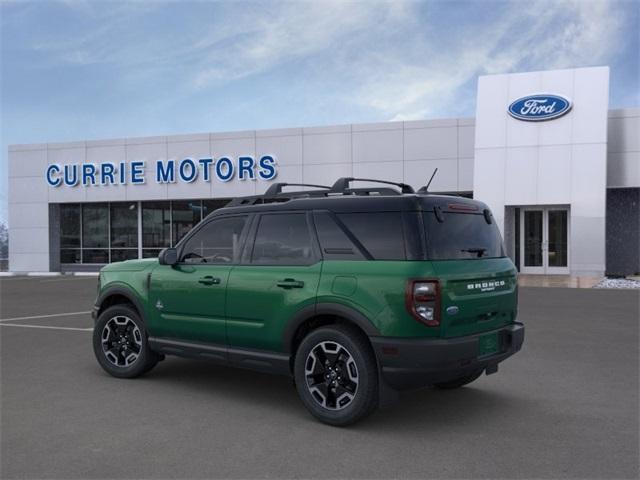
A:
[560,171]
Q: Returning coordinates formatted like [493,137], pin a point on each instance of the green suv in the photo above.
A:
[356,293]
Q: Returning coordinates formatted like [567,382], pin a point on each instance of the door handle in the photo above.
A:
[209,280]
[290,283]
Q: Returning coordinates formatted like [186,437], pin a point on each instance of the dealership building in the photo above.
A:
[558,168]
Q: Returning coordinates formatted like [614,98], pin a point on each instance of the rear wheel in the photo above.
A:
[336,375]
[120,343]
[459,382]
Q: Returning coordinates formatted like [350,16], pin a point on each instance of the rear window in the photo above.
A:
[461,236]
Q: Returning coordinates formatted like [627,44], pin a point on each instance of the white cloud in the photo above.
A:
[263,40]
[525,36]
[390,57]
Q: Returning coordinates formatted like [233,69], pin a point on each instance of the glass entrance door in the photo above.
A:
[557,241]
[544,235]
[532,237]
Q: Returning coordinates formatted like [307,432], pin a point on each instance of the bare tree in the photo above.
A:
[4,241]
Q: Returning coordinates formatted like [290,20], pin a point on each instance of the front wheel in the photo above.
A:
[120,343]
[336,375]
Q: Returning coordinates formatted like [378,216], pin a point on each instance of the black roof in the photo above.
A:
[342,198]
[382,203]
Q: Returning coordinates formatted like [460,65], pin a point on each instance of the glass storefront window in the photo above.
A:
[156,225]
[95,225]
[151,252]
[108,232]
[68,255]
[70,226]
[124,225]
[185,215]
[95,255]
[122,254]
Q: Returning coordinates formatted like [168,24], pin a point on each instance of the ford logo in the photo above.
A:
[536,108]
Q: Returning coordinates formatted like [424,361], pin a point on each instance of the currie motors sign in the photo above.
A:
[540,107]
[187,170]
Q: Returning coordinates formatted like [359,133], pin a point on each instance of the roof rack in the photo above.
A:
[275,194]
[341,187]
[369,191]
[276,188]
[342,184]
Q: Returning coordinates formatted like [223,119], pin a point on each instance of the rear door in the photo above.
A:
[188,299]
[278,276]
[478,281]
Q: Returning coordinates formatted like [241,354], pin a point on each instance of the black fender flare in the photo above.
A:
[348,313]
[121,291]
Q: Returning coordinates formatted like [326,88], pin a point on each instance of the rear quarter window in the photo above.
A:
[461,236]
[380,233]
[334,240]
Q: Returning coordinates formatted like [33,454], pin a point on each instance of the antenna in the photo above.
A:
[425,189]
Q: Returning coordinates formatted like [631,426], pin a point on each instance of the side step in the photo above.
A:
[252,359]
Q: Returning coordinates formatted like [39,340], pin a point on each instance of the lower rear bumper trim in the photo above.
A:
[414,363]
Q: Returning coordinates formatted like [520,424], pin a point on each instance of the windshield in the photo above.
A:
[461,236]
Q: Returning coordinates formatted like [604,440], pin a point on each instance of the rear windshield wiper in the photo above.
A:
[479,251]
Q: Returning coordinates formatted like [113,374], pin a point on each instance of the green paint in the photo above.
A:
[250,306]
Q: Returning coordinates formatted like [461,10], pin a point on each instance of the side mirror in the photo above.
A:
[168,256]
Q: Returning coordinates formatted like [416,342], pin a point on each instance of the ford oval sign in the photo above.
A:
[536,108]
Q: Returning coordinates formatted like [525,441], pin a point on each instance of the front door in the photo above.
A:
[188,300]
[544,245]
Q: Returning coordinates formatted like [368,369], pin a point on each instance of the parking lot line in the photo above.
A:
[47,327]
[43,316]
[64,279]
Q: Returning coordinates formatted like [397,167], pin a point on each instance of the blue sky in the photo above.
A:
[75,70]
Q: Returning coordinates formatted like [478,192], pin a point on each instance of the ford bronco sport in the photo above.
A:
[354,292]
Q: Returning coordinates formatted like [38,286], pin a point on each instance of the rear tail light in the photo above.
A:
[422,298]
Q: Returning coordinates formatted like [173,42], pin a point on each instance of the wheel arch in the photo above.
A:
[321,314]
[118,295]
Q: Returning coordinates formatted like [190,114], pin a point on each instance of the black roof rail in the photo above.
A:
[342,185]
[276,188]
[275,194]
[369,191]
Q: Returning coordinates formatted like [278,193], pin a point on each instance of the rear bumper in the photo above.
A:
[414,363]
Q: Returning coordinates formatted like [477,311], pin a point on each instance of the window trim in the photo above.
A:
[247,253]
[194,231]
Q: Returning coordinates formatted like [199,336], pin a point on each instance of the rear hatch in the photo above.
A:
[478,283]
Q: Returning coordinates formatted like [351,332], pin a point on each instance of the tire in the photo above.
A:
[120,343]
[336,375]
[459,382]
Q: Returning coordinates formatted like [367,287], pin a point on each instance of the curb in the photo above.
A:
[49,274]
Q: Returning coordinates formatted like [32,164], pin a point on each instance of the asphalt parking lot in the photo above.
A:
[565,407]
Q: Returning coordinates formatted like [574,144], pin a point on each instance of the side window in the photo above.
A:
[334,242]
[282,239]
[379,232]
[217,242]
